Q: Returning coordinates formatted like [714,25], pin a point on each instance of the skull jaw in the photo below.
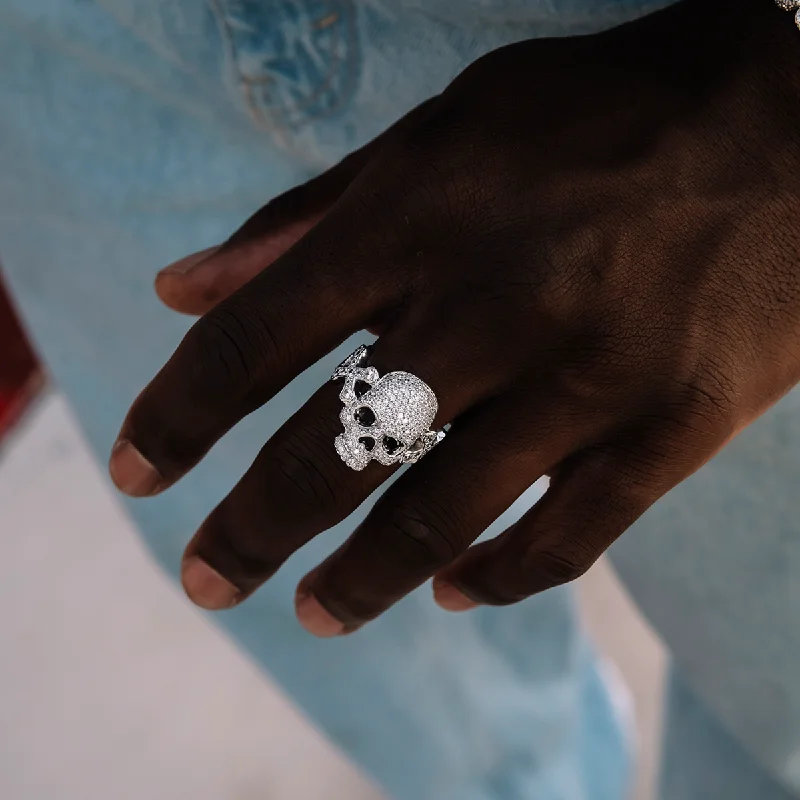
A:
[356,457]
[353,452]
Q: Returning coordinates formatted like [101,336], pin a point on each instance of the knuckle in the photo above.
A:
[710,403]
[499,593]
[555,567]
[232,540]
[223,348]
[253,558]
[614,494]
[303,484]
[432,186]
[420,535]
[234,347]
[301,475]
[585,384]
[408,201]
[616,481]
[704,392]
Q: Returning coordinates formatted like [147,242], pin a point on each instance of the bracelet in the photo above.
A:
[791,5]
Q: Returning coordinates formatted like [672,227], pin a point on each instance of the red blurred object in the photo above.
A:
[21,375]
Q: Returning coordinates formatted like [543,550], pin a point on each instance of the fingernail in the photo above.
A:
[315,619]
[450,598]
[206,587]
[188,263]
[131,472]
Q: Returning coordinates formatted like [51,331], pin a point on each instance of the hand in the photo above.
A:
[587,247]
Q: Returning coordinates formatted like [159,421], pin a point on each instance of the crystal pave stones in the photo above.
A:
[355,360]
[385,419]
[791,5]
[403,405]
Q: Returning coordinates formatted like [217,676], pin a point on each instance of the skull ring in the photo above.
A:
[385,419]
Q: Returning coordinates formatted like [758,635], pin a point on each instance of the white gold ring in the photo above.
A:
[385,419]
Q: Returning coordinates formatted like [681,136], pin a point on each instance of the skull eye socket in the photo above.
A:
[368,442]
[391,445]
[365,416]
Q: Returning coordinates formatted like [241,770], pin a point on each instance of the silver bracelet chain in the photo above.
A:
[791,5]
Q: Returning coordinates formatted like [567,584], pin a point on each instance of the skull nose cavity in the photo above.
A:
[361,388]
[365,416]
[368,442]
[391,445]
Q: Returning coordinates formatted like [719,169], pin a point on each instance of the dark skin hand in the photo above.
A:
[589,249]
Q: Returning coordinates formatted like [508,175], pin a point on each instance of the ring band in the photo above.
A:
[386,419]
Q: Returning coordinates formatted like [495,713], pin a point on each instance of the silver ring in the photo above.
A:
[385,419]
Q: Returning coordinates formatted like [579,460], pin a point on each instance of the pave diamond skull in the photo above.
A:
[385,419]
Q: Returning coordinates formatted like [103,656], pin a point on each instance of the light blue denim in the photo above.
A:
[135,131]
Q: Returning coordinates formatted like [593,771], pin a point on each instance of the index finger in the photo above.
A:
[246,349]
